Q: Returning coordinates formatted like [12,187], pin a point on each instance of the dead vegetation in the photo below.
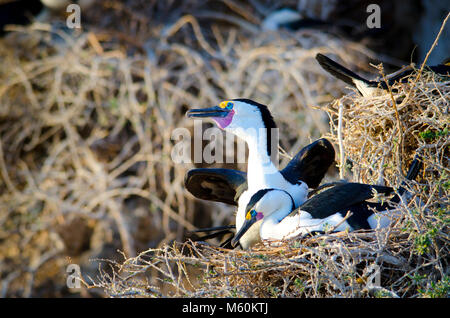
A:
[408,259]
[86,119]
[85,158]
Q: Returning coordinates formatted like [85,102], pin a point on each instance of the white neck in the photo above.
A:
[261,171]
[273,226]
[260,168]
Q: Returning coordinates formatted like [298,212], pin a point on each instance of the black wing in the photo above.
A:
[413,171]
[352,197]
[441,69]
[340,198]
[214,184]
[215,232]
[311,163]
[226,185]
[339,71]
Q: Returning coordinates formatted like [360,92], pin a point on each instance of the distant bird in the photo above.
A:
[291,20]
[253,122]
[372,88]
[271,214]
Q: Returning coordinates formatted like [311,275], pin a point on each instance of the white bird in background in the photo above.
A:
[279,18]
[292,20]
[62,4]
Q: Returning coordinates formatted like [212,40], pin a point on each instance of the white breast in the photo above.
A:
[366,90]
[300,224]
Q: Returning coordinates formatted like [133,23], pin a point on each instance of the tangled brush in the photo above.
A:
[85,142]
[379,136]
[407,259]
[86,118]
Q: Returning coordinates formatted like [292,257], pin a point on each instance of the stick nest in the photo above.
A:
[85,156]
[407,259]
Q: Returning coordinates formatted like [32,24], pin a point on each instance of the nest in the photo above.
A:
[379,136]
[343,265]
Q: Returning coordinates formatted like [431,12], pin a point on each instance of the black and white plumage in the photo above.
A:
[272,216]
[372,87]
[226,185]
[216,184]
[253,122]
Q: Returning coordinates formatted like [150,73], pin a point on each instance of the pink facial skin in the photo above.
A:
[259,216]
[223,122]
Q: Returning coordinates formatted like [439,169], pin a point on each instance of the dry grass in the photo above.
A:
[411,255]
[86,121]
[338,265]
[85,126]
[381,135]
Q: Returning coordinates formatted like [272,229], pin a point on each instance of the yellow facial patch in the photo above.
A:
[226,104]
[250,214]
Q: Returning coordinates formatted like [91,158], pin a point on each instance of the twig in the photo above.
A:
[349,214]
[341,142]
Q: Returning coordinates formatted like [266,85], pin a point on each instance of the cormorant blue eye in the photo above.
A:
[229,105]
[253,212]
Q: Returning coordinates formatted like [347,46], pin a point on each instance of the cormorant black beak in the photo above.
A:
[215,111]
[247,224]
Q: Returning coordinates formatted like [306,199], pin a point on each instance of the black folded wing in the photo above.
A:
[340,198]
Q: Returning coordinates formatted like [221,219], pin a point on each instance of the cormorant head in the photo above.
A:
[261,205]
[244,118]
[236,114]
